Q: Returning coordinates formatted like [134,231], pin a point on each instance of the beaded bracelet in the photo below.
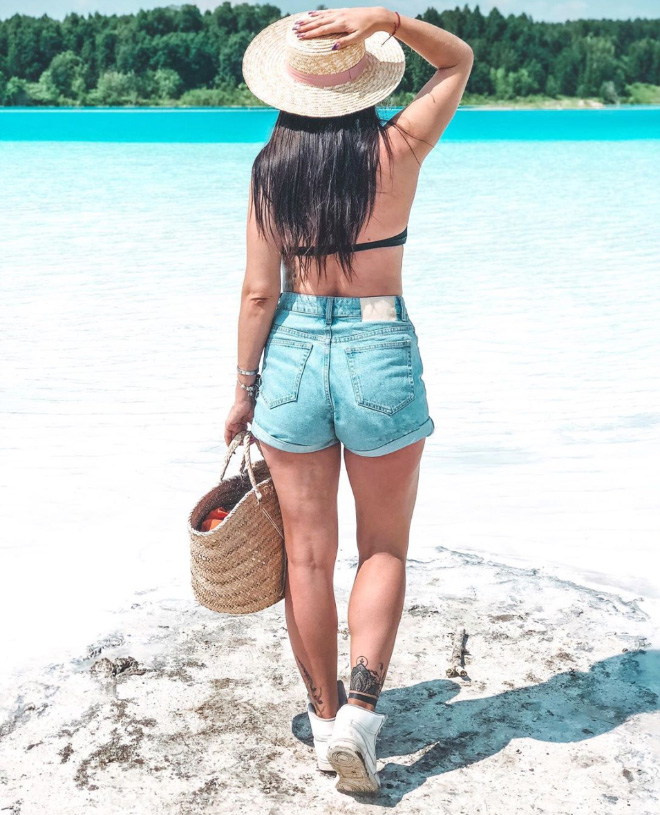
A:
[398,23]
[253,389]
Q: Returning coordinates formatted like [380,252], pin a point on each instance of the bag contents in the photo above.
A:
[215,517]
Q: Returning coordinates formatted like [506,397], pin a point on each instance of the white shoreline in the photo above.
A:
[207,715]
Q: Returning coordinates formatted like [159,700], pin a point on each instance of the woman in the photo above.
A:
[341,355]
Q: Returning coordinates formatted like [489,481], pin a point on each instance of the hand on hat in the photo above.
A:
[356,23]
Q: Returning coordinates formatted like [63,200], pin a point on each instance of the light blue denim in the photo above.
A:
[328,376]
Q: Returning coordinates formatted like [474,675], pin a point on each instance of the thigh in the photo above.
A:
[306,486]
[385,491]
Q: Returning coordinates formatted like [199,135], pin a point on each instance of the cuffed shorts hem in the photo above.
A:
[403,441]
[259,433]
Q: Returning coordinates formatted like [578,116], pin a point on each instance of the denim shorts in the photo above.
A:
[341,369]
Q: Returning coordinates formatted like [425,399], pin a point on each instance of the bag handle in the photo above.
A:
[243,438]
[246,446]
[231,449]
[247,460]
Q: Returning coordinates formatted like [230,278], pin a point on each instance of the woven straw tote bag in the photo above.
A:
[240,566]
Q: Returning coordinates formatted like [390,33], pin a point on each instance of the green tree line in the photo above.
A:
[181,55]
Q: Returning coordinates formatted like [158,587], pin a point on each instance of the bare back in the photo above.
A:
[424,119]
[377,271]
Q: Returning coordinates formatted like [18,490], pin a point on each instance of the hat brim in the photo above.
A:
[265,75]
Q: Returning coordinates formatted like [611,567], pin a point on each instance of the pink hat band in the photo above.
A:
[324,80]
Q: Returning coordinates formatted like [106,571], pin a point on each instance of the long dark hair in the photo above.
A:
[314,183]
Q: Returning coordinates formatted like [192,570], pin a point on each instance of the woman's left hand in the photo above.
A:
[242,412]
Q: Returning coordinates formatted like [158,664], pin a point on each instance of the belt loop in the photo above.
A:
[328,310]
[404,310]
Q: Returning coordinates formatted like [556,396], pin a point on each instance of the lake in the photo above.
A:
[531,273]
[253,125]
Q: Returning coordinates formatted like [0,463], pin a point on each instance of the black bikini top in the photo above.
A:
[395,240]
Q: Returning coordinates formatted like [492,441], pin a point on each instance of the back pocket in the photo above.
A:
[382,374]
[282,370]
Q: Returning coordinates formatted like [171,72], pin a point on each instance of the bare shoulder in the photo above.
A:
[426,117]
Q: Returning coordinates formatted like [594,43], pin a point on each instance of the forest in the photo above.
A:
[179,55]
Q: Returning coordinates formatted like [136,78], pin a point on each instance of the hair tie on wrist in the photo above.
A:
[396,26]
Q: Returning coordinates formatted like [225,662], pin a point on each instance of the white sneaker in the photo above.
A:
[322,729]
[351,750]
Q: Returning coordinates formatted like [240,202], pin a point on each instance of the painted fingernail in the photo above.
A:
[335,46]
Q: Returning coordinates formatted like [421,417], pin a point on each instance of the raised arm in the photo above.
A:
[429,113]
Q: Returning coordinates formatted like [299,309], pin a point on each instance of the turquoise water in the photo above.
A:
[532,275]
[254,125]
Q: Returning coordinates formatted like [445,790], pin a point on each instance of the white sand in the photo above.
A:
[559,713]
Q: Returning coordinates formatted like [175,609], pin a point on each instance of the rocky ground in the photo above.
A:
[184,711]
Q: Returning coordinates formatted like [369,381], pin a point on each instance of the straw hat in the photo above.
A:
[307,77]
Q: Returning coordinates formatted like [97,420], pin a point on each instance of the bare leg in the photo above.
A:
[385,490]
[306,485]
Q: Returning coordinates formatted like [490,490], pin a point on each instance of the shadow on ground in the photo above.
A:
[569,707]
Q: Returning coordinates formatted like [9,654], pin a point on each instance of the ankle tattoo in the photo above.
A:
[366,684]
[314,692]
